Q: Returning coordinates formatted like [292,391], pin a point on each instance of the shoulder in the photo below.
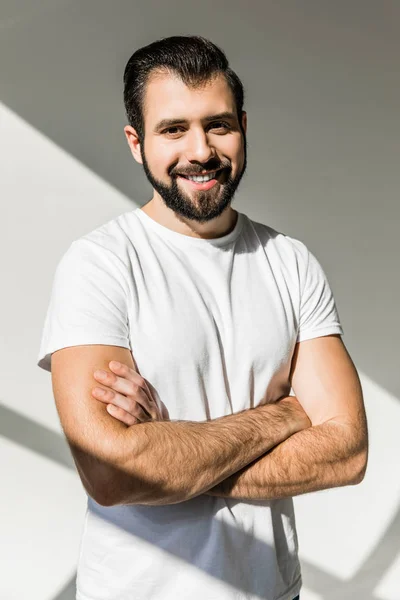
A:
[113,236]
[286,249]
[107,244]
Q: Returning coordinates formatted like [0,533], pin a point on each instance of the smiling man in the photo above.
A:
[194,180]
[201,188]
[192,447]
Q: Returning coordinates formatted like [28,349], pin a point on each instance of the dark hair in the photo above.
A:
[194,59]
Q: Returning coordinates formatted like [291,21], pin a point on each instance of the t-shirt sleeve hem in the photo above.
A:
[319,332]
[44,359]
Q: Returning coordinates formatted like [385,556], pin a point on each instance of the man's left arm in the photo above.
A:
[331,453]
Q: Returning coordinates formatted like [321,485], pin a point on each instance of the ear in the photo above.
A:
[133,143]
[244,121]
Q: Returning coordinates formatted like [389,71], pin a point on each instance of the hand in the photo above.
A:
[127,395]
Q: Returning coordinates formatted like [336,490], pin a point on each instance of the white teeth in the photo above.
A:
[202,178]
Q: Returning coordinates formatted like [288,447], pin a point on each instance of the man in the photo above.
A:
[192,455]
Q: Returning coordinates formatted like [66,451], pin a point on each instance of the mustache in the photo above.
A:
[200,170]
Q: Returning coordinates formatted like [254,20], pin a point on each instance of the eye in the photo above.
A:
[225,125]
[170,130]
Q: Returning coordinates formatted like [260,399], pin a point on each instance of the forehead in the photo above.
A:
[168,97]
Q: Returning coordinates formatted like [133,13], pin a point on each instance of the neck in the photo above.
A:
[218,227]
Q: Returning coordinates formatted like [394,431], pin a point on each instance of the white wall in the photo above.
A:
[323,131]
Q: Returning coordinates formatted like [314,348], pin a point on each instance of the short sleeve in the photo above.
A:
[88,302]
[318,312]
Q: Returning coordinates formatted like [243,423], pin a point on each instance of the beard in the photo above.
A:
[198,205]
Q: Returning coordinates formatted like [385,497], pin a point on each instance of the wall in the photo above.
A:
[323,131]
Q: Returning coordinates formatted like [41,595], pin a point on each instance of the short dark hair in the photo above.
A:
[193,58]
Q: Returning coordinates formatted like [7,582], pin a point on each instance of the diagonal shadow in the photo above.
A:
[68,592]
[36,437]
[380,558]
[45,442]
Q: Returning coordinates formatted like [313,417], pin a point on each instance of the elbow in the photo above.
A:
[109,489]
[95,483]
[106,493]
[98,475]
[359,467]
[104,502]
[104,486]
[100,492]
[104,498]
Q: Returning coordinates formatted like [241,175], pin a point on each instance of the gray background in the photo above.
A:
[322,96]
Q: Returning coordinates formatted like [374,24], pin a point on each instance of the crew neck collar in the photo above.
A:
[188,239]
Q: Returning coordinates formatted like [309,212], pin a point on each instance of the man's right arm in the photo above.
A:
[156,462]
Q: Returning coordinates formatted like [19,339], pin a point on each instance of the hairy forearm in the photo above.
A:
[328,455]
[166,462]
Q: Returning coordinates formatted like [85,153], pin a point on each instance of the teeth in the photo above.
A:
[202,178]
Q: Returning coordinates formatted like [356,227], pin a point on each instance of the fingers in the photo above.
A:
[127,374]
[121,415]
[122,403]
[133,391]
[127,387]
[126,383]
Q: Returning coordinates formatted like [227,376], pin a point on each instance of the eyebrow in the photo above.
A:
[164,123]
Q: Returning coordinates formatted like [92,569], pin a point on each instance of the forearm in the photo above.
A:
[166,462]
[325,456]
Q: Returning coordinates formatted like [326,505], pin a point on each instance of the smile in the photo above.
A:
[201,178]
[205,182]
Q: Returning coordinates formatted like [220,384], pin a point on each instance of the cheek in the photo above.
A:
[239,146]
[239,154]
[233,148]
[158,154]
[164,160]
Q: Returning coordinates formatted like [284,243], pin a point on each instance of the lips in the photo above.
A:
[203,186]
[217,172]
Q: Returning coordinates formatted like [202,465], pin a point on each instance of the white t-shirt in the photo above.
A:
[212,325]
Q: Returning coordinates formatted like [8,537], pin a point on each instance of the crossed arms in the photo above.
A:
[301,444]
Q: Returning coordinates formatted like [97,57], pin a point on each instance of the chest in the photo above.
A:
[224,327]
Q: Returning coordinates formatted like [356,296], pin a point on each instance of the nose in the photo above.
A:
[198,148]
